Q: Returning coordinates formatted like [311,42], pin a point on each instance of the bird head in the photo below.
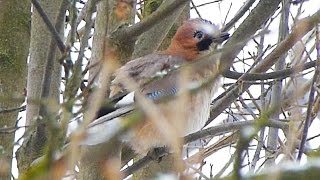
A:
[194,37]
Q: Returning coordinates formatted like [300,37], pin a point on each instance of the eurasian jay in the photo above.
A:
[193,38]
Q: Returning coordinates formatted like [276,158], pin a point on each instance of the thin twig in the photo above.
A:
[226,16]
[304,26]
[239,14]
[224,168]
[197,171]
[8,130]
[195,8]
[311,99]
[21,108]
[281,74]
[256,155]
[260,144]
[204,4]
[75,80]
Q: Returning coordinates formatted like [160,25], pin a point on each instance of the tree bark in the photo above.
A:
[110,15]
[14,46]
[41,45]
[272,142]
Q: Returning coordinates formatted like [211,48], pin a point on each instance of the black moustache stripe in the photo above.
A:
[204,44]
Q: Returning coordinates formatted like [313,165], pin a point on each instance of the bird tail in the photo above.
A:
[98,133]
[102,129]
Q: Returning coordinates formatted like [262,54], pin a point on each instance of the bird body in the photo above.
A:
[159,75]
[196,109]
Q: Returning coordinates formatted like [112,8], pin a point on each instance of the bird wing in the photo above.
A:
[155,75]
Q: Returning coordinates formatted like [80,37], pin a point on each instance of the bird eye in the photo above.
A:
[198,35]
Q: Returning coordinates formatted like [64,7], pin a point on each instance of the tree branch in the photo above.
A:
[228,127]
[272,75]
[258,16]
[213,131]
[239,14]
[137,29]
[19,109]
[304,26]
[311,99]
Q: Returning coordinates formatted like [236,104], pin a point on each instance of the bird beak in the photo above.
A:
[221,38]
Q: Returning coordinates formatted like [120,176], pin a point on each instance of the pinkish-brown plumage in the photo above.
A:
[193,37]
[184,45]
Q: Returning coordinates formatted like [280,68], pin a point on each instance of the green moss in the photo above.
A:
[38,171]
[15,34]
[9,64]
[5,60]
[14,47]
[151,6]
[14,37]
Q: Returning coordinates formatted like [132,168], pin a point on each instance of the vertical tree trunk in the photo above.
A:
[14,46]
[41,45]
[110,15]
[277,87]
[93,158]
[39,48]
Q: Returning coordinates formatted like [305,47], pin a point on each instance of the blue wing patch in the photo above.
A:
[158,94]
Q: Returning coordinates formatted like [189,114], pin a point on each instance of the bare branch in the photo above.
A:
[311,99]
[221,129]
[239,14]
[213,131]
[303,27]
[258,16]
[19,109]
[277,86]
[137,29]
[281,74]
